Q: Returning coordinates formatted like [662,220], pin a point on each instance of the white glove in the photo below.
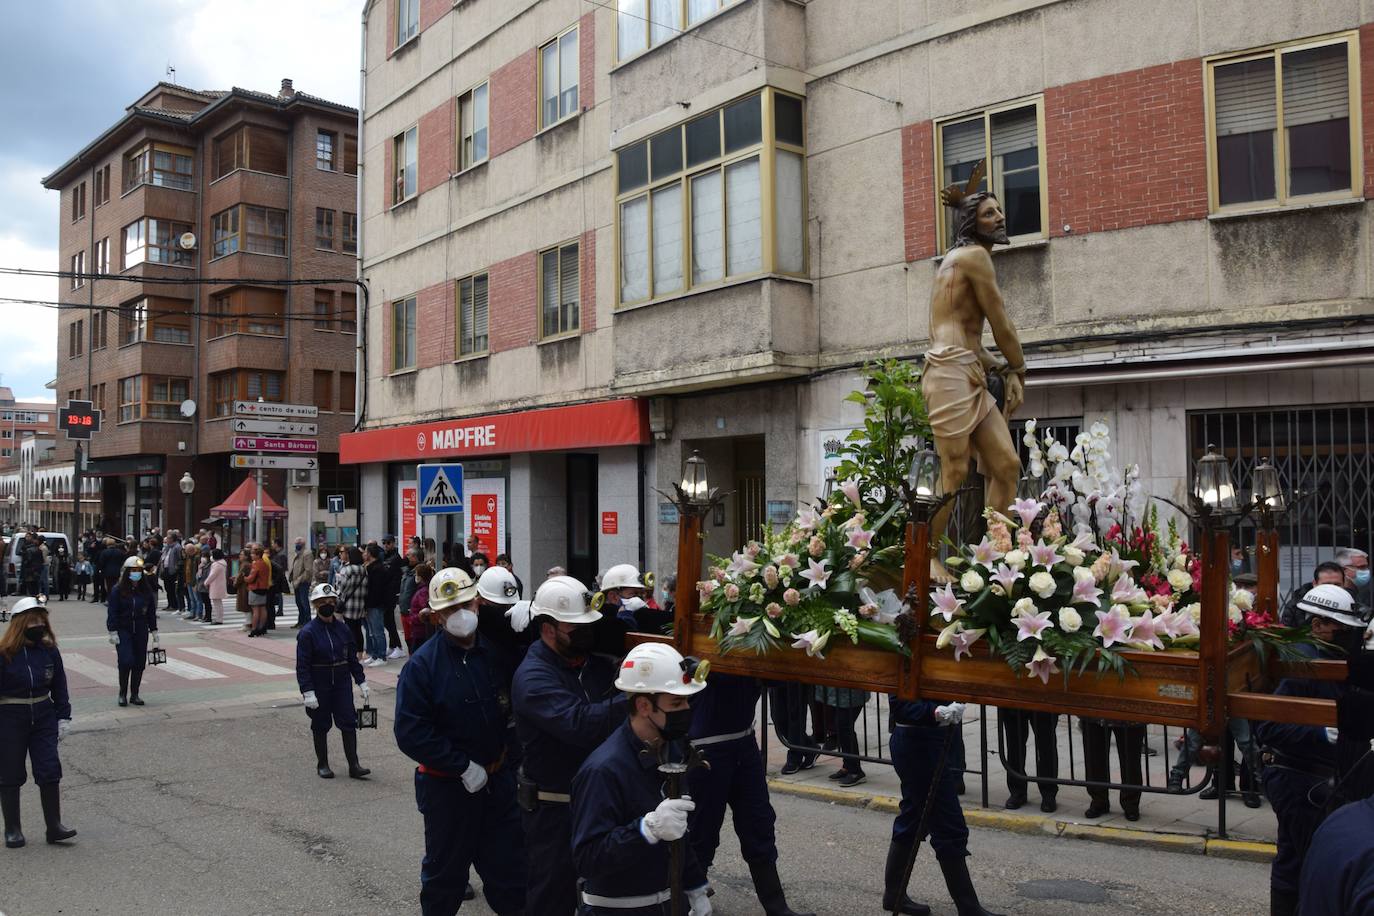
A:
[668,821]
[156,639]
[365,690]
[519,615]
[114,638]
[63,727]
[699,904]
[474,777]
[311,701]
[1332,734]
[953,714]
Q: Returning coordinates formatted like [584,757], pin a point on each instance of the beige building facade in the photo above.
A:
[719,211]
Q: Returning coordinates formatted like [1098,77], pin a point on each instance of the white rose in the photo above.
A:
[1180,562]
[1083,574]
[1069,621]
[1243,599]
[1016,559]
[1234,614]
[1194,611]
[1025,606]
[971,582]
[1179,580]
[1074,557]
[1043,584]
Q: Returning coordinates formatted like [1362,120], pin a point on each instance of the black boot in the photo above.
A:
[961,887]
[135,679]
[768,886]
[123,686]
[894,894]
[322,755]
[1281,903]
[9,805]
[350,743]
[51,798]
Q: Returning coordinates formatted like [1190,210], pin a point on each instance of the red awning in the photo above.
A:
[236,506]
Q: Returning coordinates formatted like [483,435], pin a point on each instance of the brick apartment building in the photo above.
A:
[19,420]
[243,190]
[702,217]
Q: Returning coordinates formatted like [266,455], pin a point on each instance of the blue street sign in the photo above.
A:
[441,489]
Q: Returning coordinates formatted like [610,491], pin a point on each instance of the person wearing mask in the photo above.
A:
[321,571]
[922,733]
[379,593]
[622,823]
[301,573]
[279,564]
[202,591]
[1300,760]
[326,669]
[723,733]
[35,715]
[62,577]
[415,557]
[496,600]
[351,586]
[337,562]
[623,593]
[1325,573]
[85,572]
[216,587]
[415,622]
[131,619]
[1354,565]
[452,705]
[31,567]
[480,564]
[565,706]
[395,567]
[259,584]
[169,569]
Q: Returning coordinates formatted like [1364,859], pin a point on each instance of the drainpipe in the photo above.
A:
[360,301]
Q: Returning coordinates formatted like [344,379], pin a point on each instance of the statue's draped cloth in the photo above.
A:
[956,391]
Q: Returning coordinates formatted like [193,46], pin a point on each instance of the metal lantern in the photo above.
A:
[923,478]
[829,487]
[1212,483]
[1265,484]
[696,488]
[367,716]
[157,656]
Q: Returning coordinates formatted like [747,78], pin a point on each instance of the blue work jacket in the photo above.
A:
[451,707]
[562,713]
[1303,743]
[725,707]
[34,671]
[125,612]
[1338,873]
[325,653]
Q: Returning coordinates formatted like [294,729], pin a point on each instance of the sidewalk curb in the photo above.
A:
[1242,850]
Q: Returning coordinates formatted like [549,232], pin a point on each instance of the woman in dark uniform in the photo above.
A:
[35,715]
[326,669]
[130,616]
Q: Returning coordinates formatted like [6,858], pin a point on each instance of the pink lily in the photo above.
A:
[741,564]
[1028,509]
[817,575]
[1029,626]
[811,641]
[964,640]
[947,604]
[1006,577]
[1143,631]
[850,488]
[1125,591]
[1176,624]
[1113,626]
[1045,555]
[1042,665]
[985,553]
[1085,591]
[1121,564]
[807,520]
[742,626]
[1083,539]
[859,538]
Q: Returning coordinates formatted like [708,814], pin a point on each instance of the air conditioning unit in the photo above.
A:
[303,477]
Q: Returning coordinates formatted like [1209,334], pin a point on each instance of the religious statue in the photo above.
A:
[963,413]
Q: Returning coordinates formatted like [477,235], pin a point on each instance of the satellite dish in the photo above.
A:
[188,408]
[188,240]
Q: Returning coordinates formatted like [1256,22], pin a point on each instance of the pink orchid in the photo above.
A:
[859,539]
[946,603]
[1005,576]
[1085,591]
[1122,565]
[1143,631]
[850,488]
[1028,509]
[1045,555]
[1113,626]
[741,564]
[1083,539]
[964,640]
[1042,665]
[807,520]
[1029,626]
[817,575]
[742,626]
[985,553]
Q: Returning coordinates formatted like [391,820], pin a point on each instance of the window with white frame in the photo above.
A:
[558,70]
[407,20]
[472,127]
[405,164]
[1009,138]
[690,200]
[403,334]
[78,270]
[1283,124]
[472,315]
[644,24]
[559,290]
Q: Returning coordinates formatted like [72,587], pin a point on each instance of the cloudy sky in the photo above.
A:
[69,68]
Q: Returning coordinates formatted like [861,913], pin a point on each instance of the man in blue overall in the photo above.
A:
[326,669]
[921,731]
[723,732]
[565,706]
[622,825]
[451,712]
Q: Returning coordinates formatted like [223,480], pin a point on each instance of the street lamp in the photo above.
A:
[47,504]
[694,497]
[188,486]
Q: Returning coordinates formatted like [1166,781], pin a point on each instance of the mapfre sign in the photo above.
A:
[603,423]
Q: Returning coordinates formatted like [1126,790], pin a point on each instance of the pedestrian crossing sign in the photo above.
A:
[441,489]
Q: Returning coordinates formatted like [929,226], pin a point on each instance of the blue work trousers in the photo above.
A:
[915,756]
[302,604]
[1298,800]
[551,885]
[336,702]
[464,830]
[132,651]
[32,731]
[736,778]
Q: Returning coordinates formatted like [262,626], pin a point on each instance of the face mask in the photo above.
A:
[1362,577]
[299,548]
[462,623]
[1349,639]
[135,576]
[478,568]
[676,723]
[325,610]
[633,604]
[1237,565]
[579,641]
[34,634]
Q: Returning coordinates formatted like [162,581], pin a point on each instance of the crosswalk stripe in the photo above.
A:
[101,674]
[238,661]
[187,670]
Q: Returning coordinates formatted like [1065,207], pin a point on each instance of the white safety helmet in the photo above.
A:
[1333,603]
[322,591]
[655,667]
[623,575]
[134,562]
[450,587]
[27,604]
[497,585]
[564,599]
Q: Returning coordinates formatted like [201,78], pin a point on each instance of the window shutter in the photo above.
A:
[1013,131]
[548,290]
[962,142]
[1245,97]
[479,313]
[569,289]
[1316,86]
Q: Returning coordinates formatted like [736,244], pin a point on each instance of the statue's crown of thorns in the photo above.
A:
[954,195]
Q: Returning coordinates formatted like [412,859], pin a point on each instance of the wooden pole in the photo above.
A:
[915,576]
[1216,563]
[689,554]
[1267,570]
